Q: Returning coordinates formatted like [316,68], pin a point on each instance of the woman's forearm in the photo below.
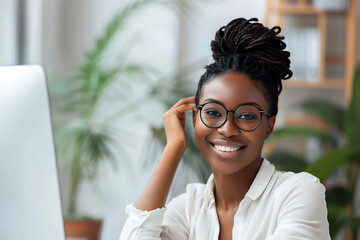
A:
[156,191]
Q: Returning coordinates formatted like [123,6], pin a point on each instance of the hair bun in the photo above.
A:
[229,40]
[244,38]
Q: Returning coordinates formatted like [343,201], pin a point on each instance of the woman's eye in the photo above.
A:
[212,113]
[247,117]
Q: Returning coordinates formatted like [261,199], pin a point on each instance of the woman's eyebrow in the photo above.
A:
[211,100]
[251,103]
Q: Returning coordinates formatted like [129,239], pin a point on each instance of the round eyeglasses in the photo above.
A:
[247,117]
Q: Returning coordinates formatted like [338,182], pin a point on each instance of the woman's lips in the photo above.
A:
[227,146]
[226,149]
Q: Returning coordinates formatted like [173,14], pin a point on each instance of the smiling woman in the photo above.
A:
[233,90]
[234,111]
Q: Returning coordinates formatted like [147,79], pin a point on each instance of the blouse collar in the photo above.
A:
[258,186]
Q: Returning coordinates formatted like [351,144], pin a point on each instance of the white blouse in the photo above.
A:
[278,206]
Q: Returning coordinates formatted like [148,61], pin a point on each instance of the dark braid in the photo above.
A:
[245,46]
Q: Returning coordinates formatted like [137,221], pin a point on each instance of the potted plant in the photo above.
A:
[344,156]
[86,140]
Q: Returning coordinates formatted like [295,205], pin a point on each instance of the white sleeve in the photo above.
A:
[167,223]
[176,220]
[303,212]
[142,224]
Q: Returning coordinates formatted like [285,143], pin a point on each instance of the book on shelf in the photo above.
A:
[304,47]
[331,5]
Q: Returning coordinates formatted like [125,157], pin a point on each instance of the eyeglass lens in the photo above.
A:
[246,117]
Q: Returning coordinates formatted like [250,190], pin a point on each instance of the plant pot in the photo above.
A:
[82,229]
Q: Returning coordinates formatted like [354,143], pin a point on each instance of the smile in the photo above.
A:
[227,148]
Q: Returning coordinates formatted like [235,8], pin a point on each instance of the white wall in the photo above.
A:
[169,42]
[70,30]
[8,32]
[198,30]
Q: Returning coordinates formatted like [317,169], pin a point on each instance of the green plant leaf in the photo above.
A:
[339,216]
[287,161]
[326,165]
[112,29]
[329,112]
[338,196]
[159,133]
[94,142]
[352,125]
[296,132]
[83,91]
[336,219]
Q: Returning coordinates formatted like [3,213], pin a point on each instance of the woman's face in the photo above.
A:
[232,90]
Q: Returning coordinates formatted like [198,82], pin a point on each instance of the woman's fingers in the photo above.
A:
[184,108]
[174,120]
[181,106]
[183,101]
[178,112]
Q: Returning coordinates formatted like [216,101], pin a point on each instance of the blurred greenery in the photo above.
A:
[295,132]
[170,92]
[287,161]
[85,139]
[343,157]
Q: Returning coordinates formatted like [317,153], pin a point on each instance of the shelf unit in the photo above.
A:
[278,10]
[277,13]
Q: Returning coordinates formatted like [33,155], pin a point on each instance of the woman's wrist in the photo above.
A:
[177,147]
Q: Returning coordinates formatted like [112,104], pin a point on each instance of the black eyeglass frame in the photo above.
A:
[200,106]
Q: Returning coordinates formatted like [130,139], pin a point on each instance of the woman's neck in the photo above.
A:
[229,190]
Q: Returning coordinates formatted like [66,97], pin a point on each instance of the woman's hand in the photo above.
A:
[156,191]
[174,122]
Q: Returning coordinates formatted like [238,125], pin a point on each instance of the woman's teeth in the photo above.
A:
[226,149]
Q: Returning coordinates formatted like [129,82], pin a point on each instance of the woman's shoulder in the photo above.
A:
[291,177]
[195,192]
[302,182]
[197,195]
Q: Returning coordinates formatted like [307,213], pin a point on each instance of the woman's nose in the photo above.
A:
[229,128]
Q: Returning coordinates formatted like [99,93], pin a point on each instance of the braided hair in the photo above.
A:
[247,47]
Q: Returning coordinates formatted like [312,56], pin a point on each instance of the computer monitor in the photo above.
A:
[30,205]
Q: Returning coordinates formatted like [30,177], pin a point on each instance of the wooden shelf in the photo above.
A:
[293,9]
[304,120]
[328,84]
[335,59]
[280,10]
[303,10]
